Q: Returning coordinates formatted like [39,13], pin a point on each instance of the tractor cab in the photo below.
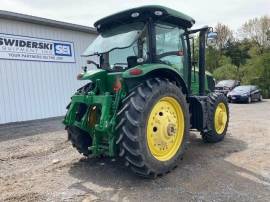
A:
[146,35]
[150,34]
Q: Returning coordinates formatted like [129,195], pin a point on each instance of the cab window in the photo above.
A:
[169,47]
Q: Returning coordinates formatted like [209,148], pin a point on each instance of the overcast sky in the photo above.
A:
[85,12]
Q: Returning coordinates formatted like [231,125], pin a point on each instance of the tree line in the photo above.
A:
[243,55]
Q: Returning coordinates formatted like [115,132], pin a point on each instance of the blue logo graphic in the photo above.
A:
[61,49]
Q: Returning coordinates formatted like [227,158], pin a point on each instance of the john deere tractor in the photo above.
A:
[145,94]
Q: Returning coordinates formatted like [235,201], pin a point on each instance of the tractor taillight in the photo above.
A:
[117,85]
[135,71]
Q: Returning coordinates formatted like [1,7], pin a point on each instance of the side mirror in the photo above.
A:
[92,62]
[211,38]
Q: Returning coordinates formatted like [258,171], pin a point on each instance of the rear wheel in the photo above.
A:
[218,118]
[153,127]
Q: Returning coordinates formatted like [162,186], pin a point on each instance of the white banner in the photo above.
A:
[15,47]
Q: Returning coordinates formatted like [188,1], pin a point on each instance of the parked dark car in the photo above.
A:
[226,86]
[246,93]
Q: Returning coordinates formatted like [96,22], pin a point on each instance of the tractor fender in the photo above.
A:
[154,70]
[93,75]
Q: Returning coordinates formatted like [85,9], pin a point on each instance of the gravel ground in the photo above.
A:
[38,164]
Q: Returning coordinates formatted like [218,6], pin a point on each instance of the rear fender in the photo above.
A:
[154,70]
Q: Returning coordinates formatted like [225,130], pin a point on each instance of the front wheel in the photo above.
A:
[153,128]
[218,118]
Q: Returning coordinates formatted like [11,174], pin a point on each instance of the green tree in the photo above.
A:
[227,71]
[214,55]
[238,51]
[257,30]
[257,71]
[212,59]
[246,59]
[225,34]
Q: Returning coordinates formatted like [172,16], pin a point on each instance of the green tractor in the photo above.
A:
[145,94]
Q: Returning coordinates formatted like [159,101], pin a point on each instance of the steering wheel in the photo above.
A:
[120,63]
[162,55]
[118,66]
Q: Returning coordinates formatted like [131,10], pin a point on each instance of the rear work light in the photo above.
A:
[135,71]
[158,13]
[135,15]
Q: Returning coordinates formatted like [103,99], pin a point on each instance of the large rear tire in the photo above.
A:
[218,118]
[153,128]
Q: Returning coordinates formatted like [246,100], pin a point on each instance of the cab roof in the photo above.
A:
[168,15]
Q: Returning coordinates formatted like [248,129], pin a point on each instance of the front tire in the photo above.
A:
[153,128]
[218,119]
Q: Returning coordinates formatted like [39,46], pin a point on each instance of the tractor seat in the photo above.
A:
[132,61]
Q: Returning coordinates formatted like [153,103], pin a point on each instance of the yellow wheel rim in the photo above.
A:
[165,128]
[221,118]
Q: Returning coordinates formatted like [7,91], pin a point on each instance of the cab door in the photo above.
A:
[170,47]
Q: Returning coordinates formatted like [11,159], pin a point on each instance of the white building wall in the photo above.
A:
[32,89]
